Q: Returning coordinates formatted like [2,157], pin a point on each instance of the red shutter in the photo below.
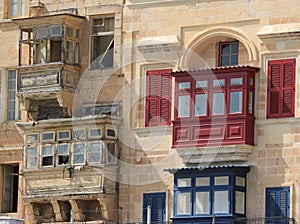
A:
[158,97]
[281,88]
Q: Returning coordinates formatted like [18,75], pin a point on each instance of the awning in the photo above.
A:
[245,167]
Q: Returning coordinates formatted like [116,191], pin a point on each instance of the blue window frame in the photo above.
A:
[278,202]
[157,202]
[201,194]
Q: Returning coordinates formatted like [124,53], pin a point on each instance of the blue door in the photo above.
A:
[278,202]
[157,202]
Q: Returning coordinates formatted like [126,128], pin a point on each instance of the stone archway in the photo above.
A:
[215,33]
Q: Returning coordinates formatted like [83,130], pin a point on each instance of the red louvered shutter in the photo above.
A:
[288,90]
[281,88]
[165,100]
[158,98]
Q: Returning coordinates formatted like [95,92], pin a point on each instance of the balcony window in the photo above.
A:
[12,104]
[102,43]
[47,156]
[200,194]
[48,44]
[224,98]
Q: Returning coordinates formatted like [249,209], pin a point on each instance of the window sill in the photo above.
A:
[153,130]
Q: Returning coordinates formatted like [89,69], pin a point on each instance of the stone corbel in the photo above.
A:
[77,214]
[35,7]
[57,212]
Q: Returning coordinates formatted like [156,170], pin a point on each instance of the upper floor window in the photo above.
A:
[158,97]
[281,88]
[12,103]
[201,195]
[229,53]
[102,42]
[52,43]
[16,8]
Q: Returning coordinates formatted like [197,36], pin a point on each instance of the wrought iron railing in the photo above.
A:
[265,220]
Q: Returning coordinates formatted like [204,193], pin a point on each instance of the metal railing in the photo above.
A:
[265,220]
[167,222]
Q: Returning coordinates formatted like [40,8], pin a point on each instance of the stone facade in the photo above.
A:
[60,90]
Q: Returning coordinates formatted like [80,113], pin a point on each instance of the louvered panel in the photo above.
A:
[152,110]
[274,102]
[159,209]
[153,85]
[275,76]
[271,204]
[287,104]
[288,75]
[165,85]
[164,110]
[283,203]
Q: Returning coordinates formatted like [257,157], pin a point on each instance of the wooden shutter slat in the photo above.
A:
[275,76]
[287,101]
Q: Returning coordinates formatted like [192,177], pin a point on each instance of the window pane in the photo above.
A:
[48,136]
[184,106]
[250,105]
[236,102]
[225,60]
[251,81]
[64,135]
[102,51]
[219,82]
[202,203]
[95,151]
[225,49]
[95,133]
[236,81]
[14,10]
[79,134]
[32,157]
[221,203]
[184,85]
[47,151]
[32,138]
[63,154]
[218,103]
[200,105]
[184,182]
[183,203]
[202,181]
[234,60]
[234,48]
[201,84]
[239,202]
[79,154]
[69,31]
[56,31]
[41,32]
[223,180]
[70,52]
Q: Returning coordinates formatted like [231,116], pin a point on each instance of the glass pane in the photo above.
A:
[218,103]
[223,180]
[56,31]
[77,33]
[236,81]
[95,147]
[95,152]
[251,81]
[219,82]
[69,31]
[250,106]
[202,203]
[184,182]
[202,181]
[239,202]
[32,158]
[221,203]
[183,203]
[48,136]
[184,106]
[78,148]
[234,60]
[236,102]
[70,52]
[234,48]
[41,32]
[201,84]
[240,181]
[200,105]
[14,10]
[184,85]
[95,133]
[225,60]
[78,159]
[79,134]
[64,135]
[32,138]
[225,49]
[47,150]
[79,154]
[63,149]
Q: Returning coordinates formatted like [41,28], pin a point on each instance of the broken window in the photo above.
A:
[44,44]
[63,154]
[102,41]
[47,156]
[10,188]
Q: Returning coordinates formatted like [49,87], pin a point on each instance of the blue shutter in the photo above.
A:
[277,202]
[157,201]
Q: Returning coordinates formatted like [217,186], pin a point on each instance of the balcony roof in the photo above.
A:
[209,167]
[216,70]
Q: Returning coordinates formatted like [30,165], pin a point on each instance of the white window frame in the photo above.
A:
[94,136]
[48,140]
[63,131]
